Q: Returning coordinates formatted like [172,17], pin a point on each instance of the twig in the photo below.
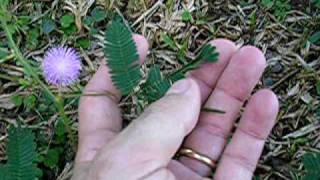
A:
[211,110]
[153,8]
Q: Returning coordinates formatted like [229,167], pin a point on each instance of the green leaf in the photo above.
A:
[98,14]
[122,57]
[4,13]
[39,173]
[88,20]
[32,38]
[17,100]
[66,20]
[5,3]
[48,25]
[318,87]
[187,16]
[30,101]
[311,162]
[3,52]
[181,55]
[317,3]
[311,176]
[267,3]
[23,22]
[168,41]
[3,172]
[281,9]
[52,158]
[208,53]
[84,43]
[21,152]
[70,30]
[94,31]
[60,128]
[12,28]
[156,85]
[315,37]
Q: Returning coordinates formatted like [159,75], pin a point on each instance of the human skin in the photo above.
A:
[144,149]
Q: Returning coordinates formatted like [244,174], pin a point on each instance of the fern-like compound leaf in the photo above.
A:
[21,152]
[122,57]
[208,53]
[156,85]
[311,162]
[3,172]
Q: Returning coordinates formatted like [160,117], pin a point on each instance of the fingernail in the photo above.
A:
[180,87]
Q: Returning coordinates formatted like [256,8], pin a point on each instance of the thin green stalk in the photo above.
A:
[25,64]
[65,119]
[57,100]
[188,67]
[60,106]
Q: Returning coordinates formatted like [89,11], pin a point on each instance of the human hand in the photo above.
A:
[144,149]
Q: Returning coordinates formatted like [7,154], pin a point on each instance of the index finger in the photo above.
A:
[99,116]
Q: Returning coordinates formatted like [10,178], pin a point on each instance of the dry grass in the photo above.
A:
[292,72]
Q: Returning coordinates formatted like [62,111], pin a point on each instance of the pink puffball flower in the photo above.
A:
[61,66]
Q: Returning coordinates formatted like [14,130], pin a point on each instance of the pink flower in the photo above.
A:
[61,66]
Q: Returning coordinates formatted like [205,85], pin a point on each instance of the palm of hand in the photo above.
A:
[144,150]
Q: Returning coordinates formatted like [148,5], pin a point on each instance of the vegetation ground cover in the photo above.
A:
[287,31]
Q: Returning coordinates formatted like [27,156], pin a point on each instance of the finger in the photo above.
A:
[183,173]
[209,73]
[99,116]
[163,173]
[150,142]
[242,154]
[235,85]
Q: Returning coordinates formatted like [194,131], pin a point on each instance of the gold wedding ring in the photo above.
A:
[197,156]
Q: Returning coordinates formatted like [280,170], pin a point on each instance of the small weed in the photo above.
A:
[280,8]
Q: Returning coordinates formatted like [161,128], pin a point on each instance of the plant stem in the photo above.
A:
[57,100]
[60,106]
[25,64]
[65,120]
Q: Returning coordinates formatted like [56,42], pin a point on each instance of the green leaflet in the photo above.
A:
[156,85]
[311,162]
[122,57]
[3,172]
[315,37]
[21,152]
[207,54]
[123,61]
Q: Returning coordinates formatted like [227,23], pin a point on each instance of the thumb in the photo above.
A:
[158,133]
[163,126]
